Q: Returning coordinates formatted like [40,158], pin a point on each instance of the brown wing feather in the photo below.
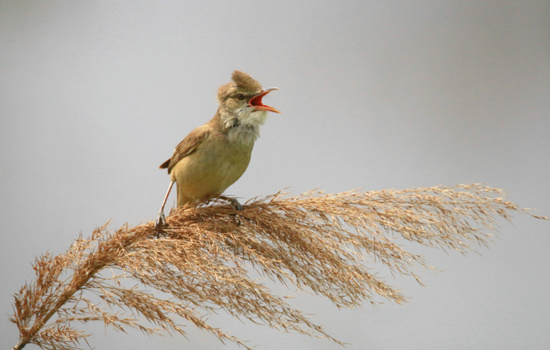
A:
[165,164]
[187,146]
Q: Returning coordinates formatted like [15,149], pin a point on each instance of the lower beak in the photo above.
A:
[256,101]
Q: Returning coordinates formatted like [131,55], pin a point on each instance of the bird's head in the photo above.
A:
[241,100]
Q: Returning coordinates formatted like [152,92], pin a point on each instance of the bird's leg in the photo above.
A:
[161,220]
[234,202]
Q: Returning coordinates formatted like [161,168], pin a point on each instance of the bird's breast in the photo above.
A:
[215,166]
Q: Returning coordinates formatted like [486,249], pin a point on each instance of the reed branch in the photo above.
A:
[205,259]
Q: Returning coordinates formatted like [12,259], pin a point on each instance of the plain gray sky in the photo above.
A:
[94,95]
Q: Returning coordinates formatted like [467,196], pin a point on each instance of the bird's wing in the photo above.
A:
[187,146]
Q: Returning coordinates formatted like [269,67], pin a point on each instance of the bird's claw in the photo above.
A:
[160,223]
[235,204]
[233,201]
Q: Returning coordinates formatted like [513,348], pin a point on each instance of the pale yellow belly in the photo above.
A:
[209,171]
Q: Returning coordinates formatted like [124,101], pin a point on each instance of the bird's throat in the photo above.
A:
[244,126]
[243,133]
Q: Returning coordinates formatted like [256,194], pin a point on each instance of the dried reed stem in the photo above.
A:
[203,262]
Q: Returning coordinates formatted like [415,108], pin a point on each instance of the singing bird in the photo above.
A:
[215,155]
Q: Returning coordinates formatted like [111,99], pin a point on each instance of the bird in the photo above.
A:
[215,155]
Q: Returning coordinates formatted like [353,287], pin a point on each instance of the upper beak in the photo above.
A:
[256,101]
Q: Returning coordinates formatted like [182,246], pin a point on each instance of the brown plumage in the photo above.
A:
[215,155]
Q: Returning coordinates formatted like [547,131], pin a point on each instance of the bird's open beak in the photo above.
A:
[256,101]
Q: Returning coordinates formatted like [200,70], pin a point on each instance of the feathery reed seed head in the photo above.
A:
[315,241]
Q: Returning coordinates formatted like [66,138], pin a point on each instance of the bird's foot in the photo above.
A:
[160,223]
[234,202]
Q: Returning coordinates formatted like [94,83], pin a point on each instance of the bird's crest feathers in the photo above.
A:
[245,81]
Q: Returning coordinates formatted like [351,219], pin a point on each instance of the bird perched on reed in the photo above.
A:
[215,155]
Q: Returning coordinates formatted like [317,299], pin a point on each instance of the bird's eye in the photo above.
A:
[240,97]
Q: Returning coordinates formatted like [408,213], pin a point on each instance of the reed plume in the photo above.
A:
[203,261]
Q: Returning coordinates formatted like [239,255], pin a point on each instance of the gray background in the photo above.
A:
[94,95]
